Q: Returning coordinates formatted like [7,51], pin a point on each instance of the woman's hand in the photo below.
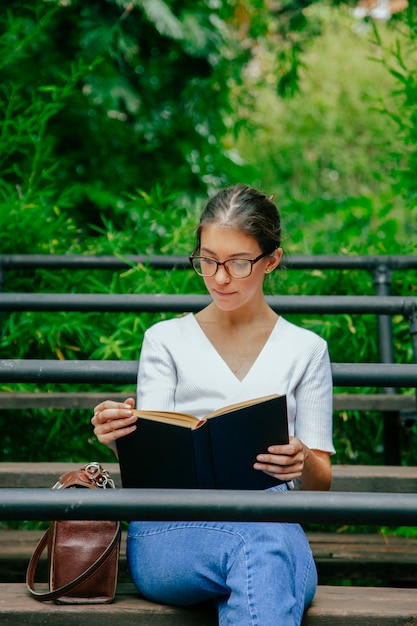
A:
[112,420]
[295,461]
[285,462]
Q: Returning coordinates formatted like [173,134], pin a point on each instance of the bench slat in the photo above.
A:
[87,400]
[332,606]
[56,400]
[17,608]
[385,559]
[363,478]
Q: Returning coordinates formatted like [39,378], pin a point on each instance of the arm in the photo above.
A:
[155,389]
[306,459]
[296,461]
[112,420]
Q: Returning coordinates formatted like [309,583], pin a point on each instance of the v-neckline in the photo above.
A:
[222,360]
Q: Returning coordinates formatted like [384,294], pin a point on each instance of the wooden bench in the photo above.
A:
[339,555]
[369,559]
[333,605]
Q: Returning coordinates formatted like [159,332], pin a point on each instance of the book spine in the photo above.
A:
[203,457]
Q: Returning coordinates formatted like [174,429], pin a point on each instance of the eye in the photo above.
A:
[239,264]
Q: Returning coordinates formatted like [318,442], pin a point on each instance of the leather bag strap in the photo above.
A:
[74,584]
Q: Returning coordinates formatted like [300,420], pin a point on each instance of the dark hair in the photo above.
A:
[247,210]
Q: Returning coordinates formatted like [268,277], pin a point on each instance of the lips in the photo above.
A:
[223,294]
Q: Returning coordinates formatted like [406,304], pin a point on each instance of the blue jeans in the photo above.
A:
[257,573]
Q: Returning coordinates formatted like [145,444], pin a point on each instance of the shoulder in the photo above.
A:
[172,329]
[300,336]
[300,345]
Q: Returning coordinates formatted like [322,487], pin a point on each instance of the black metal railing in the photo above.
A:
[125,372]
[174,303]
[162,302]
[163,504]
[382,264]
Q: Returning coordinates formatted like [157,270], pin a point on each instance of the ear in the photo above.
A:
[274,259]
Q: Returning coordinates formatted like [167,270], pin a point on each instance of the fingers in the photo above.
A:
[129,403]
[285,462]
[109,410]
[292,450]
[112,420]
[279,472]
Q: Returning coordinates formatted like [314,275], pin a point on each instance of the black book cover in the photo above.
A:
[219,454]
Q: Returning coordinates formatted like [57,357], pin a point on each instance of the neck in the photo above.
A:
[241,318]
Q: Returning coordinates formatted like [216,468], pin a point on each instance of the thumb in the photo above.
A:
[130,401]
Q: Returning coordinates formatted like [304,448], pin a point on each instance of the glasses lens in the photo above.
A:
[204,267]
[239,268]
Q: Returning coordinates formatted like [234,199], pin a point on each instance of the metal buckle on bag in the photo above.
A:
[95,474]
[99,476]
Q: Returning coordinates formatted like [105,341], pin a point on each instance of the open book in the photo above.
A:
[178,451]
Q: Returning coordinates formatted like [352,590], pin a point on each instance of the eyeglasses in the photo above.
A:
[236,268]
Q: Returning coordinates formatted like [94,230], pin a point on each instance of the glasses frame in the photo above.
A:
[224,264]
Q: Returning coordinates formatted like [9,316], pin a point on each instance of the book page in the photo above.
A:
[240,405]
[187,420]
[170,417]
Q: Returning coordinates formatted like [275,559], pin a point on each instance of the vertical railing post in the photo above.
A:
[2,275]
[2,282]
[413,330]
[382,283]
[413,333]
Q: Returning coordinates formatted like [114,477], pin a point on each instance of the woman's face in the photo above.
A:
[221,243]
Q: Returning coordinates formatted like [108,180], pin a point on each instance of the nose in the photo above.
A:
[221,276]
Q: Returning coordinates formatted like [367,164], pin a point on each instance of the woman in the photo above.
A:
[237,348]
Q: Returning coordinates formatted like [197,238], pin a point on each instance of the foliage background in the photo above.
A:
[116,121]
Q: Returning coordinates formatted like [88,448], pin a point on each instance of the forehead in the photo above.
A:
[224,240]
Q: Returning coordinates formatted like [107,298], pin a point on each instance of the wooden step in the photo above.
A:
[359,557]
[332,606]
[43,474]
[368,559]
[19,400]
[372,478]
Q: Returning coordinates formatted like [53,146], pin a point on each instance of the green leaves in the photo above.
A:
[397,52]
[161,17]
[131,82]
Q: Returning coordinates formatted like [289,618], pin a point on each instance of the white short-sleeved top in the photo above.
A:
[180,370]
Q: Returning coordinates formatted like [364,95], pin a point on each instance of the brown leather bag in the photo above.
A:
[83,556]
